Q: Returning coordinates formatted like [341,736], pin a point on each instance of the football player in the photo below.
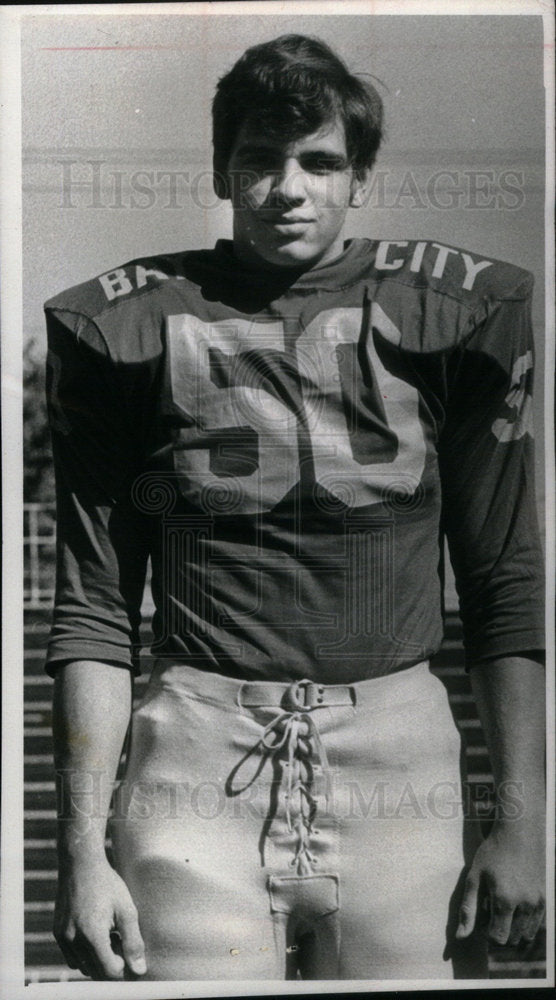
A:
[288,425]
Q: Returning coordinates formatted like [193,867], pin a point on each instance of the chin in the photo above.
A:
[293,256]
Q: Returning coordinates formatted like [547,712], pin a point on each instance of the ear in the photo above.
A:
[359,187]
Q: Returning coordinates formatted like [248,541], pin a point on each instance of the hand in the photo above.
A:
[508,874]
[92,903]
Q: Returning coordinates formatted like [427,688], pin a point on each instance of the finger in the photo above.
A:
[66,946]
[92,966]
[534,923]
[468,908]
[106,964]
[85,970]
[85,957]
[80,960]
[520,923]
[67,951]
[483,913]
[133,948]
[500,921]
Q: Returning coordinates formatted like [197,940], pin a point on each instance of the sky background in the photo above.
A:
[132,94]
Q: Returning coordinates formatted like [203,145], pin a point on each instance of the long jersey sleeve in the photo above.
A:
[102,546]
[486,463]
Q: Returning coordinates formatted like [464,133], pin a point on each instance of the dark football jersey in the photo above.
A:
[289,451]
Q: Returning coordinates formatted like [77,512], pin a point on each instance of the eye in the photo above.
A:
[323,163]
[259,160]
[265,162]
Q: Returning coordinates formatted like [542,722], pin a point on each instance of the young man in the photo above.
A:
[287,425]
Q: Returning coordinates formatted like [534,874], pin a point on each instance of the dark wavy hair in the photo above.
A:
[288,88]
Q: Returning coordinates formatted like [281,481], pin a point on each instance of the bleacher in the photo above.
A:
[44,961]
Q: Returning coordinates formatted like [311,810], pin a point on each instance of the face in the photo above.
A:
[290,201]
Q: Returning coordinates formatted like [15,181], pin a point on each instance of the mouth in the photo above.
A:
[287,226]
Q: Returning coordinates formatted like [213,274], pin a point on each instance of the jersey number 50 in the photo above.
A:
[256,415]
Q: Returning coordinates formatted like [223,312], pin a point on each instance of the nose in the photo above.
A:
[289,183]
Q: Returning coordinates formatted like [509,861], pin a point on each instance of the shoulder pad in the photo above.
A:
[463,275]
[92,298]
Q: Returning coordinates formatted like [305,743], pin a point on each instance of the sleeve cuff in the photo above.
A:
[515,644]
[67,652]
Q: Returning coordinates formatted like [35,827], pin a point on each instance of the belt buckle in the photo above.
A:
[305,695]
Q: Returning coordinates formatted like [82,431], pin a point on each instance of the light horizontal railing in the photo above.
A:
[39,547]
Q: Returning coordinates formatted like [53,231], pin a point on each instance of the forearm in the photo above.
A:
[508,867]
[510,697]
[91,710]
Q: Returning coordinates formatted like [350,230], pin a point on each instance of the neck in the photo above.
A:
[252,261]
